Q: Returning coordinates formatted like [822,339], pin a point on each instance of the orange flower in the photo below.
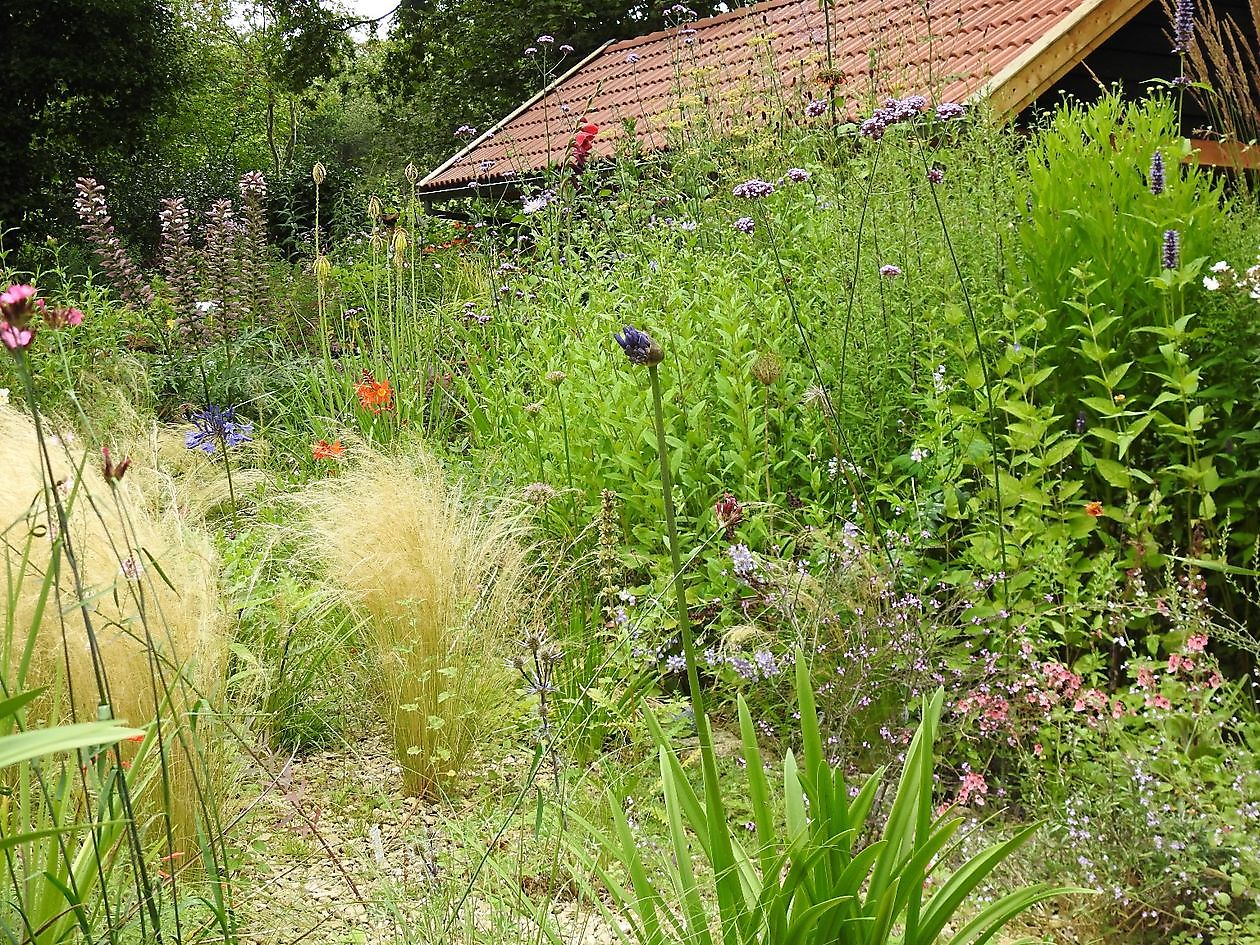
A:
[1094,509]
[325,450]
[374,395]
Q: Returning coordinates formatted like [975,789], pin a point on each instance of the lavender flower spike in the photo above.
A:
[1183,26]
[639,346]
[1172,249]
[1157,173]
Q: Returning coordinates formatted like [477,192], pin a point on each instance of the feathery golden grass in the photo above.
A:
[148,587]
[439,576]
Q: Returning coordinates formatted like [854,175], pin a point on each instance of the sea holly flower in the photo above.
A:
[217,426]
[639,346]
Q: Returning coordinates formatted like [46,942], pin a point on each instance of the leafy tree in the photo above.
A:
[84,83]
[456,62]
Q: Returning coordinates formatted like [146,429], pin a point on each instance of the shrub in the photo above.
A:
[440,578]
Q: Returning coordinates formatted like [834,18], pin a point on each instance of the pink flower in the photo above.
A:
[63,317]
[1215,680]
[972,784]
[1197,643]
[1158,702]
[16,294]
[15,338]
[1146,679]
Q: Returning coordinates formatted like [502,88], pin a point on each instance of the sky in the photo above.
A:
[370,8]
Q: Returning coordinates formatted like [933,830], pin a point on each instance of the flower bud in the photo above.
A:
[412,172]
[323,268]
[319,173]
[374,207]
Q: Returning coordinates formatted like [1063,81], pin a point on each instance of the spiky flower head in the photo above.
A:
[1156,176]
[1172,249]
[253,186]
[639,346]
[768,368]
[1183,26]
[935,175]
[556,378]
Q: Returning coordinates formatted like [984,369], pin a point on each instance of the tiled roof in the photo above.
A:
[724,67]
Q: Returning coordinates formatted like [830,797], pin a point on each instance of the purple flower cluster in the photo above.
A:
[1172,249]
[816,107]
[890,271]
[948,111]
[745,224]
[754,189]
[935,175]
[639,346]
[892,112]
[797,175]
[1183,26]
[465,131]
[213,426]
[1156,176]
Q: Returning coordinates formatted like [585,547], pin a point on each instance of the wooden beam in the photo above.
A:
[1232,154]
[1051,57]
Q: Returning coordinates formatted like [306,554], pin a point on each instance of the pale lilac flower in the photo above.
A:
[566,49]
[745,224]
[948,111]
[797,175]
[754,189]
[890,271]
[545,40]
[632,58]
[816,107]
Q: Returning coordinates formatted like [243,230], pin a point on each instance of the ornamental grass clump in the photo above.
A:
[439,576]
[146,585]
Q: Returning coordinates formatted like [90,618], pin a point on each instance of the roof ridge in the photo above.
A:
[716,19]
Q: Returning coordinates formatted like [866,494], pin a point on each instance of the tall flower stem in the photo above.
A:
[708,760]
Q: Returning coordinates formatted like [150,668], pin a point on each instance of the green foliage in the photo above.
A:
[817,876]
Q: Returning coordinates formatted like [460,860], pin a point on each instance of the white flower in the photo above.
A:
[1211,284]
[1221,266]
[534,204]
[918,455]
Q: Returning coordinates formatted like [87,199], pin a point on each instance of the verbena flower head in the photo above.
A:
[816,107]
[531,51]
[632,58]
[639,346]
[545,40]
[465,131]
[935,175]
[217,426]
[890,271]
[797,175]
[565,49]
[948,111]
[1183,26]
[1172,249]
[754,189]
[1157,172]
[745,224]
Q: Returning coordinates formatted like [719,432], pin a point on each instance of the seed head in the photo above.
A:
[768,368]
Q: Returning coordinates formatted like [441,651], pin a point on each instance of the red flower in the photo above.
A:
[1094,509]
[583,141]
[325,450]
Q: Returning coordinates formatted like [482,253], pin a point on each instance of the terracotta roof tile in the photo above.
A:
[731,62]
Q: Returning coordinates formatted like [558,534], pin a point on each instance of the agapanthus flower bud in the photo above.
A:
[319,173]
[1157,172]
[639,346]
[412,172]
